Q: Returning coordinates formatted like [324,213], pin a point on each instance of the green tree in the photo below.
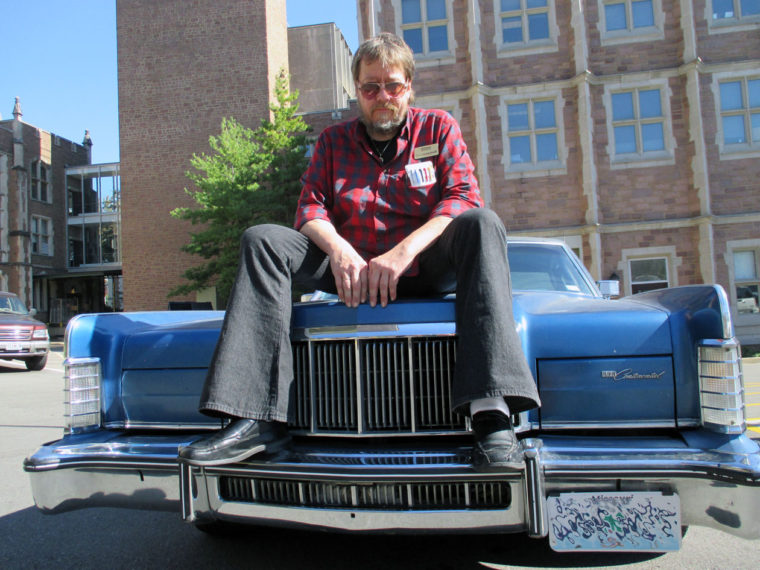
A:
[251,177]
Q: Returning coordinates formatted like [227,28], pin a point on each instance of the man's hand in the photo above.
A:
[350,272]
[355,280]
[385,270]
[384,273]
[347,266]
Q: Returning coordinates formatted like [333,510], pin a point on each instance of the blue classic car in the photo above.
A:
[640,434]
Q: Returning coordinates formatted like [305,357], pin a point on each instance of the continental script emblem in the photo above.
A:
[629,374]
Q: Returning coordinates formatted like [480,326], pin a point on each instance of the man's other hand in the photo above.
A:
[384,273]
[350,272]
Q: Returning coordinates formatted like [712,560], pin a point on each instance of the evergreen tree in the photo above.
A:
[251,177]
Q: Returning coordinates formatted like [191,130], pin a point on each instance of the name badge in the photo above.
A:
[425,151]
[420,174]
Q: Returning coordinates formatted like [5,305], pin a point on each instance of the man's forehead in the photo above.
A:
[377,70]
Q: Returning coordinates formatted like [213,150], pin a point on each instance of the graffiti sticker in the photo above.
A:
[624,522]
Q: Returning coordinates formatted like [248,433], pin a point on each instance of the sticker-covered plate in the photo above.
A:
[619,521]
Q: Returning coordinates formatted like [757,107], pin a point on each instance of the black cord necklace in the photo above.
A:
[381,154]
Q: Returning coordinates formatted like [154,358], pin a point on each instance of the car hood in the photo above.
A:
[570,326]
[551,325]
[10,319]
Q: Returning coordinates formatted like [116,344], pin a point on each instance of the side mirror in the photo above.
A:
[32,312]
[609,288]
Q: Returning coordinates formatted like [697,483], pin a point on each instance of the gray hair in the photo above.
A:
[389,50]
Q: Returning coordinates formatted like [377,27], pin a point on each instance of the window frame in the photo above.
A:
[729,25]
[750,148]
[631,34]
[39,185]
[38,238]
[640,158]
[535,167]
[668,253]
[646,283]
[431,57]
[543,45]
[732,248]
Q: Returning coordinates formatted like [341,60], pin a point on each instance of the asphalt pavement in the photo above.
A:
[114,538]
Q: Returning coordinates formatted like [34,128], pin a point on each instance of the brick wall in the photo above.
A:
[183,66]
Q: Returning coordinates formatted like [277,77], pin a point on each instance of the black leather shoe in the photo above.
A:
[241,439]
[495,442]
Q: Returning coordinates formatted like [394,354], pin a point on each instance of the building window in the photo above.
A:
[746,281]
[42,229]
[740,113]
[524,21]
[628,15]
[623,21]
[649,268]
[638,124]
[425,25]
[40,182]
[731,11]
[94,206]
[532,134]
[648,274]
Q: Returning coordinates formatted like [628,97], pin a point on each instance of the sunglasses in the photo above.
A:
[371,89]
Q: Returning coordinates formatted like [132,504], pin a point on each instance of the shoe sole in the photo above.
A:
[270,447]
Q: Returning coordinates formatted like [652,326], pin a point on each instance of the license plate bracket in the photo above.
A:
[614,521]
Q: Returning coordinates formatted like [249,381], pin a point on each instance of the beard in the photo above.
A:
[384,128]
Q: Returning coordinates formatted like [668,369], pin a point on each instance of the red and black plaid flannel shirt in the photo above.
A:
[374,206]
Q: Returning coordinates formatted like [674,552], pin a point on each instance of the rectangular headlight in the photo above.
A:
[40,333]
[81,389]
[721,386]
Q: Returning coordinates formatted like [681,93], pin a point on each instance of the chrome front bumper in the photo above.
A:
[24,349]
[715,477]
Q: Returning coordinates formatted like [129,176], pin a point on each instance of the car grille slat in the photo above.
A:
[448,495]
[16,333]
[374,386]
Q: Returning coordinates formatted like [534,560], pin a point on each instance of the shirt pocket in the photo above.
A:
[421,193]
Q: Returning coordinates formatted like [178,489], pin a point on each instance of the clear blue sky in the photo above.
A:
[59,57]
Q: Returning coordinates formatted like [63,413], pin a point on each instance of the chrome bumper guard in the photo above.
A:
[404,490]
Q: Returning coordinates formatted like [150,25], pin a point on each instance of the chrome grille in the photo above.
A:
[15,333]
[449,495]
[375,386]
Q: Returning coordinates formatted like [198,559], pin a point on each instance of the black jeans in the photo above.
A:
[252,368]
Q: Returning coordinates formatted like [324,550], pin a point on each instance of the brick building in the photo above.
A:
[629,128]
[183,65]
[33,212]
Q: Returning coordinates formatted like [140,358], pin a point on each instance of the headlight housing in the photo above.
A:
[82,381]
[40,333]
[721,386]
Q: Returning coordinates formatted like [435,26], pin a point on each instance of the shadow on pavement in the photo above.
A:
[116,538]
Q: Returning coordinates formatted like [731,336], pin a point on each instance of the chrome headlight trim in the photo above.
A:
[721,386]
[82,390]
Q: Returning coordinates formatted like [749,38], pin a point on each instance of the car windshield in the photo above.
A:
[544,267]
[12,305]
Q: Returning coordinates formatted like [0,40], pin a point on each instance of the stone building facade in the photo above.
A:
[629,128]
[33,212]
